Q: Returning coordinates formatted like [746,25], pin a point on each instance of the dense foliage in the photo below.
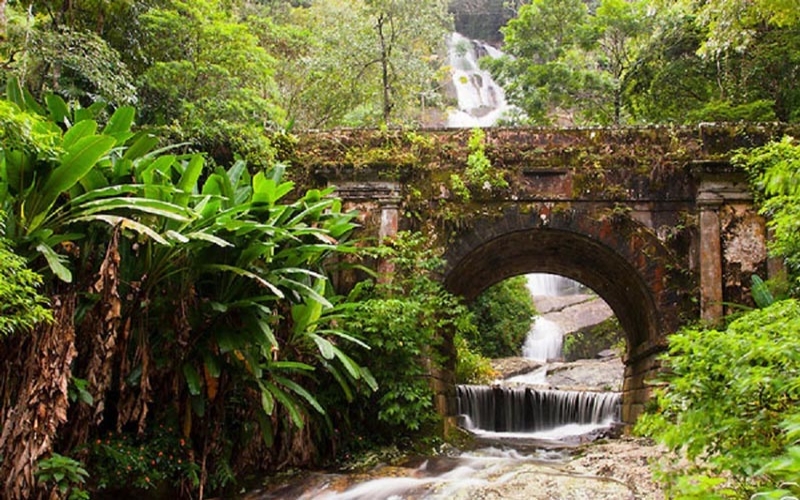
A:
[775,174]
[731,400]
[192,317]
[651,61]
[410,323]
[503,316]
[201,289]
[21,305]
[728,396]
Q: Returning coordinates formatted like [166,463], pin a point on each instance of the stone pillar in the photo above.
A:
[722,190]
[379,203]
[711,297]
[636,386]
[390,217]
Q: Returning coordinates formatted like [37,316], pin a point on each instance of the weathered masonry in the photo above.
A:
[655,220]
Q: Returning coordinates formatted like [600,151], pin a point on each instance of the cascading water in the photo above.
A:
[546,414]
[481,102]
[508,410]
[552,285]
[543,342]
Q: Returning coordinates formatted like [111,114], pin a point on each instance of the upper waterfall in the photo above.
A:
[481,101]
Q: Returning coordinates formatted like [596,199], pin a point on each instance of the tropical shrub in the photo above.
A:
[409,322]
[187,296]
[729,394]
[21,305]
[472,367]
[775,177]
[730,403]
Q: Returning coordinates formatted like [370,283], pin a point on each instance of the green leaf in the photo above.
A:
[193,380]
[119,125]
[126,223]
[286,401]
[59,111]
[55,261]
[80,130]
[146,205]
[324,345]
[141,146]
[14,93]
[189,179]
[247,274]
[369,378]
[290,365]
[93,180]
[199,235]
[76,163]
[350,365]
[267,401]
[302,392]
[266,429]
[343,383]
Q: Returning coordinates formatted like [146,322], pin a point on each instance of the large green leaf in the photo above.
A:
[86,128]
[267,401]
[58,109]
[126,223]
[119,125]
[14,93]
[188,180]
[193,380]
[324,345]
[143,145]
[247,274]
[19,170]
[77,162]
[135,204]
[288,403]
[55,262]
[302,392]
[269,191]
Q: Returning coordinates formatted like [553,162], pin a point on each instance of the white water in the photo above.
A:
[470,471]
[544,340]
[512,408]
[481,102]
[552,285]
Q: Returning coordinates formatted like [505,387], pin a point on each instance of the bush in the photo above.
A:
[503,316]
[21,305]
[472,367]
[729,397]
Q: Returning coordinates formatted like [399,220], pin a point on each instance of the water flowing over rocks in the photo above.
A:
[614,470]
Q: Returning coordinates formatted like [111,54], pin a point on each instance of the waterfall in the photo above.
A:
[543,342]
[528,410]
[552,284]
[481,102]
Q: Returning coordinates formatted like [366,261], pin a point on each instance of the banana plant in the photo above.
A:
[55,173]
[268,314]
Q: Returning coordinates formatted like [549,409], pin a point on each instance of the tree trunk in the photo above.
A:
[3,20]
[34,396]
[385,53]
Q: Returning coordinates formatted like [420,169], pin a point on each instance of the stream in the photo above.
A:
[532,442]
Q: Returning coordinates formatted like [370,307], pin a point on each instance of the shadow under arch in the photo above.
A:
[619,258]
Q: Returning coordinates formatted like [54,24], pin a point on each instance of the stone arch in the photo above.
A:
[619,258]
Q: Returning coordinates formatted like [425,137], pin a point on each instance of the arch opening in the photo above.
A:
[578,257]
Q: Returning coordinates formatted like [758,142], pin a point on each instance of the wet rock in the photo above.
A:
[587,374]
[510,367]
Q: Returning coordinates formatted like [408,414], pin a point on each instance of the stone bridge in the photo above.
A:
[656,221]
